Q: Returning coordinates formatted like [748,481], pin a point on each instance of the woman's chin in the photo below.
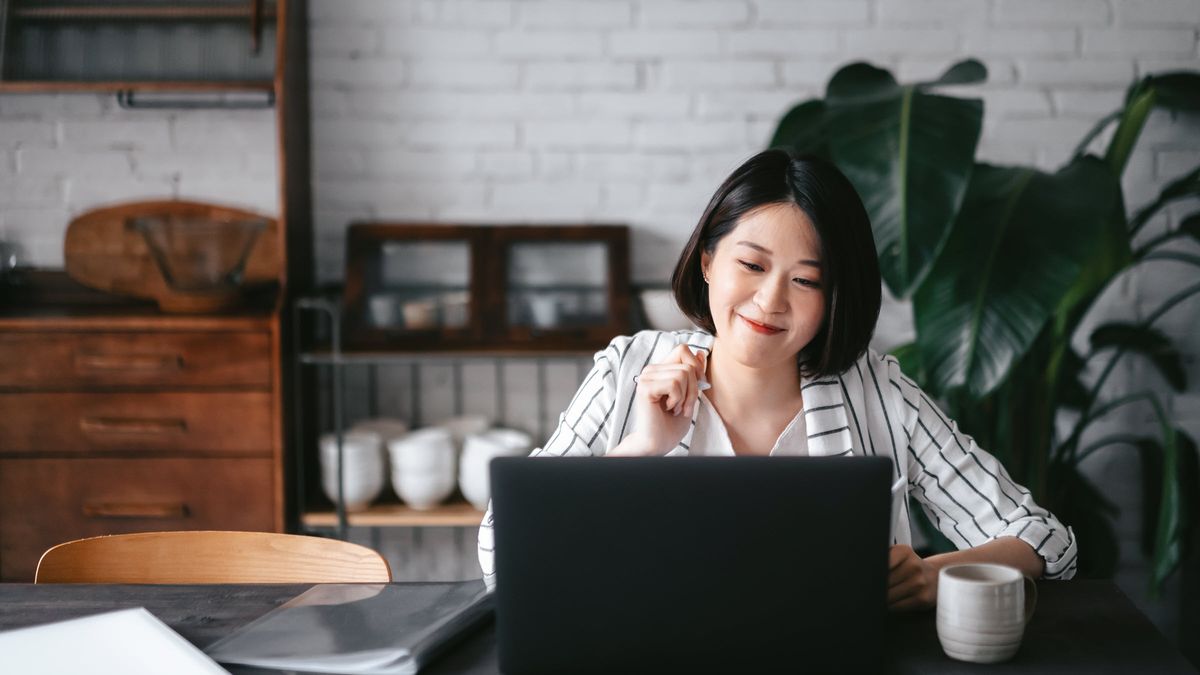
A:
[756,351]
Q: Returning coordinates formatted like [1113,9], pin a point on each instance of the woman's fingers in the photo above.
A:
[675,382]
[697,372]
[681,377]
[668,388]
[907,588]
[695,366]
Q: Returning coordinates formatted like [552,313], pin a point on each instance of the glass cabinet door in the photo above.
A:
[554,286]
[422,285]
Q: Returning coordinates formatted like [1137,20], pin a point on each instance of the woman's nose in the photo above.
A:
[771,296]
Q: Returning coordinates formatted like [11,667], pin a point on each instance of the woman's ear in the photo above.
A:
[705,262]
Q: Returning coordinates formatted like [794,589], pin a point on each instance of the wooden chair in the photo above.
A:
[210,557]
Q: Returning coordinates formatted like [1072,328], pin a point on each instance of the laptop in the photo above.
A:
[691,564]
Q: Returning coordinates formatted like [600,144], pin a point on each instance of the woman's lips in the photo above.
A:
[760,327]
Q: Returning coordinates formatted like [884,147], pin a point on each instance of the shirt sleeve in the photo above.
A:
[969,495]
[582,431]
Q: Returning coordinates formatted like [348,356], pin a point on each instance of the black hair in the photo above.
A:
[849,266]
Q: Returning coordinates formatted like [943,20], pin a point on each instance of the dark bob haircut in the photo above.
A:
[849,268]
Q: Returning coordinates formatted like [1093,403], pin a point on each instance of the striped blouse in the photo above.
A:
[870,409]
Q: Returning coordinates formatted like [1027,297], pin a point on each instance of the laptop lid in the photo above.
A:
[698,564]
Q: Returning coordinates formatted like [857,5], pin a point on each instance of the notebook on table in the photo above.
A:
[367,629]
[691,564]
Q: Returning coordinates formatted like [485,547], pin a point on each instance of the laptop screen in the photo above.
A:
[690,563]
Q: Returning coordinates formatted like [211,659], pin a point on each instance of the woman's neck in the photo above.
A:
[738,388]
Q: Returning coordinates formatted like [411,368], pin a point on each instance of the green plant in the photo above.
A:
[1002,264]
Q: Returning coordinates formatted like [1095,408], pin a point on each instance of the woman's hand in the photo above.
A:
[666,395]
[912,581]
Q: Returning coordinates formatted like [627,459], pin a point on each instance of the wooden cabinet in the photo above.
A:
[116,417]
[419,287]
[120,419]
[44,502]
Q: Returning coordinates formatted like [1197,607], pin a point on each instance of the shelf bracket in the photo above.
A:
[130,99]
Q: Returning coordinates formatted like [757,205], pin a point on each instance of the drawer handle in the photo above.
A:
[140,364]
[131,425]
[125,510]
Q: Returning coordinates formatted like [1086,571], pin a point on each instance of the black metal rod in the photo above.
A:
[127,100]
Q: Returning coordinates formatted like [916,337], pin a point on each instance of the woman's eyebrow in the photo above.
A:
[764,249]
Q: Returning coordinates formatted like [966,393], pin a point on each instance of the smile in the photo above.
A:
[763,328]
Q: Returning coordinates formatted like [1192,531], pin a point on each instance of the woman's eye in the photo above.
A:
[750,266]
[807,282]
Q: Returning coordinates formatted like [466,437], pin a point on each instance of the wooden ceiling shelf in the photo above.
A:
[142,12]
[152,46]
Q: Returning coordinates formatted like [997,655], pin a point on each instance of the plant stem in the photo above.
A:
[1088,413]
[1115,439]
[1157,241]
[1175,256]
[1133,118]
[1096,131]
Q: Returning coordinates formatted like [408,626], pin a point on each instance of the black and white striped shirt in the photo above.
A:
[870,409]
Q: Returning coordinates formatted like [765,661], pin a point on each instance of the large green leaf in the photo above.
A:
[1021,239]
[1149,342]
[909,153]
[967,71]
[1172,91]
[803,130]
[1177,90]
[1169,487]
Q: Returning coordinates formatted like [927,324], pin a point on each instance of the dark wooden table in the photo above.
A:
[1079,626]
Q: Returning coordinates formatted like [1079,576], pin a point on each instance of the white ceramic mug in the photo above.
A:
[982,610]
[424,467]
[477,454]
[363,470]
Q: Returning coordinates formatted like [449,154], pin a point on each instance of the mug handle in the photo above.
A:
[1031,596]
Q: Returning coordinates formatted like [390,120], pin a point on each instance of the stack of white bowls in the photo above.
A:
[362,468]
[464,425]
[424,466]
[388,428]
[478,451]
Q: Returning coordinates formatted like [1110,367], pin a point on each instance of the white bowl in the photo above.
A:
[423,491]
[463,425]
[661,310]
[428,449]
[363,470]
[388,428]
[478,451]
[424,466]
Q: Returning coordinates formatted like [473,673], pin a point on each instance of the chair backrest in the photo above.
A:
[210,557]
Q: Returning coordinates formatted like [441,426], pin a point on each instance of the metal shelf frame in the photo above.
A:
[337,359]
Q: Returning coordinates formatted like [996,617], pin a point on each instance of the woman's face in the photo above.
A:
[764,286]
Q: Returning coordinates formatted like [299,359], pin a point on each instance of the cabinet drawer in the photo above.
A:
[62,360]
[234,422]
[44,502]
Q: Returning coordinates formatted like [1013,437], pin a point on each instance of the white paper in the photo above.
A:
[126,642]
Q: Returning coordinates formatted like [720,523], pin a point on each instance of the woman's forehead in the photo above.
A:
[785,230]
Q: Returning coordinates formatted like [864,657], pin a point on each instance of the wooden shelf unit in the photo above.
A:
[450,514]
[30,32]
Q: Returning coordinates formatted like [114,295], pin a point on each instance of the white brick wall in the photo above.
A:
[63,154]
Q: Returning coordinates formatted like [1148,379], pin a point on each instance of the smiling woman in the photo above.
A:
[782,278]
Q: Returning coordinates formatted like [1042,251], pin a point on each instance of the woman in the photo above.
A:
[781,275]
